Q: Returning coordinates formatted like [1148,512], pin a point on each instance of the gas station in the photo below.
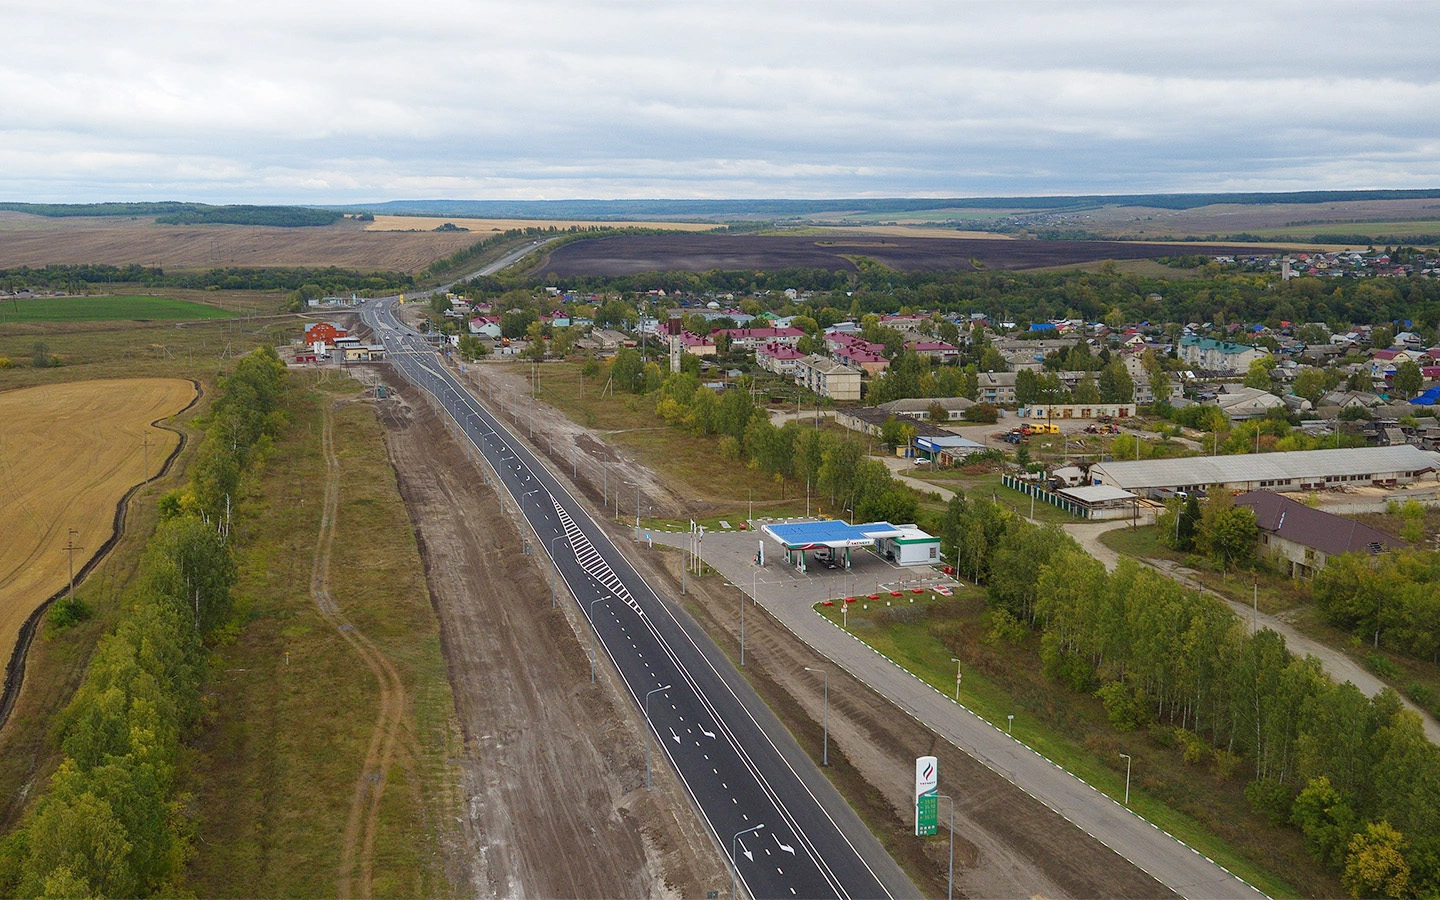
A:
[836,538]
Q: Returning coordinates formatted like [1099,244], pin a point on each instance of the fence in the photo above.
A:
[1040,493]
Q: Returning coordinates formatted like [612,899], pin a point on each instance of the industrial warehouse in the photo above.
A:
[1299,470]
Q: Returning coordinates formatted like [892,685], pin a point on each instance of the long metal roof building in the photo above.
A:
[1295,470]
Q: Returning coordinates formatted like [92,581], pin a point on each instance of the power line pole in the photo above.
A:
[70,548]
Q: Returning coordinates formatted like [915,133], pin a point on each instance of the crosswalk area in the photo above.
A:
[591,561]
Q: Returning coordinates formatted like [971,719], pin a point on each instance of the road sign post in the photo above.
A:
[927,795]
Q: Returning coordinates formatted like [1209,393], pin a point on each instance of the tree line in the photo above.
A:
[832,467]
[1355,775]
[1218,296]
[330,279]
[111,821]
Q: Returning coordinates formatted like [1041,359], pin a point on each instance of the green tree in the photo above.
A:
[1228,532]
[1326,820]
[1116,385]
[1259,375]
[472,348]
[1381,337]
[992,361]
[1408,379]
[628,370]
[1160,386]
[1310,383]
[1086,391]
[1026,387]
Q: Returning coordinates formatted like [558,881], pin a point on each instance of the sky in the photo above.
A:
[316,101]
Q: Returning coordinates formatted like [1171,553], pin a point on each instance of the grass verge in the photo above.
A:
[292,707]
[1197,805]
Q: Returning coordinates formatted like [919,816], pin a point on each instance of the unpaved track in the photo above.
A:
[358,843]
[552,767]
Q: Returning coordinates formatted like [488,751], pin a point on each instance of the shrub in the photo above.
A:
[1271,799]
[982,412]
[1005,628]
[1381,666]
[65,612]
[1193,748]
[1127,707]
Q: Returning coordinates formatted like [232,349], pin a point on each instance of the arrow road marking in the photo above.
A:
[748,855]
[783,846]
[709,734]
[675,736]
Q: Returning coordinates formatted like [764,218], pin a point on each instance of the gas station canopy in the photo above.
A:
[832,533]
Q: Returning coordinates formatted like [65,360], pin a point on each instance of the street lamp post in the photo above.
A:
[957,678]
[742,625]
[554,561]
[1010,726]
[593,629]
[950,882]
[1126,757]
[735,866]
[825,755]
[647,732]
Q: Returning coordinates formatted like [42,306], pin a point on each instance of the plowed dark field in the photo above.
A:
[629,254]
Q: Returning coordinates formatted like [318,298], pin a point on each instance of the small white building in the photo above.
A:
[911,547]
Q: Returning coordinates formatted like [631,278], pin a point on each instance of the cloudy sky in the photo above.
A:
[313,101]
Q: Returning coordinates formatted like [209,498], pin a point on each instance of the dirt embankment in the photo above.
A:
[591,464]
[553,768]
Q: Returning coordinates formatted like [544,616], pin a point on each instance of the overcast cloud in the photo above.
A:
[312,102]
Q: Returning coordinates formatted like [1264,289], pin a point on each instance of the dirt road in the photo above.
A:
[357,848]
[553,767]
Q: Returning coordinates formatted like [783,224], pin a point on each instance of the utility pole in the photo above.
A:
[70,548]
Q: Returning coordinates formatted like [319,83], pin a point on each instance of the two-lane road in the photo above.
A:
[705,721]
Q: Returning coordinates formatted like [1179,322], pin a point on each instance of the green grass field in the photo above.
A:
[1344,229]
[1193,803]
[107,309]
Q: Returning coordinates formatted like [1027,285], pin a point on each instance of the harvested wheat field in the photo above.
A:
[68,454]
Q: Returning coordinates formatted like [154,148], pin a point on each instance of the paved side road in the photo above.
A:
[789,596]
[1336,664]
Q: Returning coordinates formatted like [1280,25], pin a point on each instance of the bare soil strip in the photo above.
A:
[358,844]
[552,767]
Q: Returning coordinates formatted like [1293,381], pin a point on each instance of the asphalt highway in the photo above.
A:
[743,775]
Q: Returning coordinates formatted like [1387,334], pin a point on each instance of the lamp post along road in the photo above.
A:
[658,690]
[1126,757]
[825,754]
[742,626]
[593,629]
[554,561]
[957,678]
[734,863]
